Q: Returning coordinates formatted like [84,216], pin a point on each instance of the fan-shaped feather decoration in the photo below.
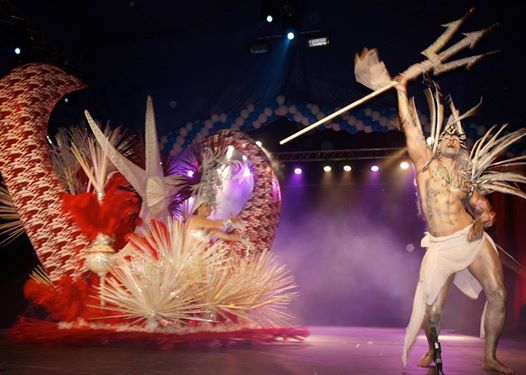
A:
[168,278]
[489,175]
[11,227]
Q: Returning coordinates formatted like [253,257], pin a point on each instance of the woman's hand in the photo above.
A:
[234,223]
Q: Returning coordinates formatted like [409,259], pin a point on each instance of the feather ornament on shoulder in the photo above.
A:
[490,175]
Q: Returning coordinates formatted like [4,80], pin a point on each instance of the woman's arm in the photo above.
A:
[203,222]
[226,236]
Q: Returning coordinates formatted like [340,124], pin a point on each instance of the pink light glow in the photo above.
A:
[190,173]
[375,168]
[298,171]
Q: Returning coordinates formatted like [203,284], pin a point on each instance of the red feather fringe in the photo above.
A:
[116,216]
[67,300]
[43,332]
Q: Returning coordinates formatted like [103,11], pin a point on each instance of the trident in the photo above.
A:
[371,72]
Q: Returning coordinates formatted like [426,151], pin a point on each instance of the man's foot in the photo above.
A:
[426,360]
[495,365]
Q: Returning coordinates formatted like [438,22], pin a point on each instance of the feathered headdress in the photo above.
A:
[487,174]
[213,163]
[453,125]
[200,172]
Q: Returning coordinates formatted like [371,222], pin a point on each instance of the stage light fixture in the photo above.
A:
[290,35]
[190,173]
[270,18]
[298,171]
[375,168]
[318,42]
[347,168]
[404,165]
[327,168]
[17,51]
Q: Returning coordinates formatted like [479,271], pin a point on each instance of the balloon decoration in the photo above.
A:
[253,117]
[257,116]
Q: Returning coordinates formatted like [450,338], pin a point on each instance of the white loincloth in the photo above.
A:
[444,256]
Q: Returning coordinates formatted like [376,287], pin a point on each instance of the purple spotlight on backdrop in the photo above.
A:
[190,173]
[375,168]
[298,170]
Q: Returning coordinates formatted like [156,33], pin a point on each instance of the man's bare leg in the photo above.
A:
[432,319]
[487,269]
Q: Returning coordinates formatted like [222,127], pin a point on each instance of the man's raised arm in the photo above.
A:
[416,143]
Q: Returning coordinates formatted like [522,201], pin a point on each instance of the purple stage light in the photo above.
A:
[298,171]
[190,173]
[375,168]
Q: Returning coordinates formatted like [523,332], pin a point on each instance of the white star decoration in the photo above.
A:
[150,184]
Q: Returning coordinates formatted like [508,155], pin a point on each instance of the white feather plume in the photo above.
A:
[489,175]
[11,227]
[370,71]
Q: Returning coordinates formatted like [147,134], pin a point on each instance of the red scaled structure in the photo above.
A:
[260,215]
[27,96]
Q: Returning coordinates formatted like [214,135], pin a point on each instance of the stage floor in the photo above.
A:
[329,350]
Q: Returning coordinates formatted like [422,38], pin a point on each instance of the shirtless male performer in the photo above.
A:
[456,216]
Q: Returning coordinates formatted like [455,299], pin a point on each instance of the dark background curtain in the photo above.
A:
[510,233]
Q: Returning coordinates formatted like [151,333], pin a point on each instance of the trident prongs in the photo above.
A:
[451,28]
[436,62]
[467,61]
